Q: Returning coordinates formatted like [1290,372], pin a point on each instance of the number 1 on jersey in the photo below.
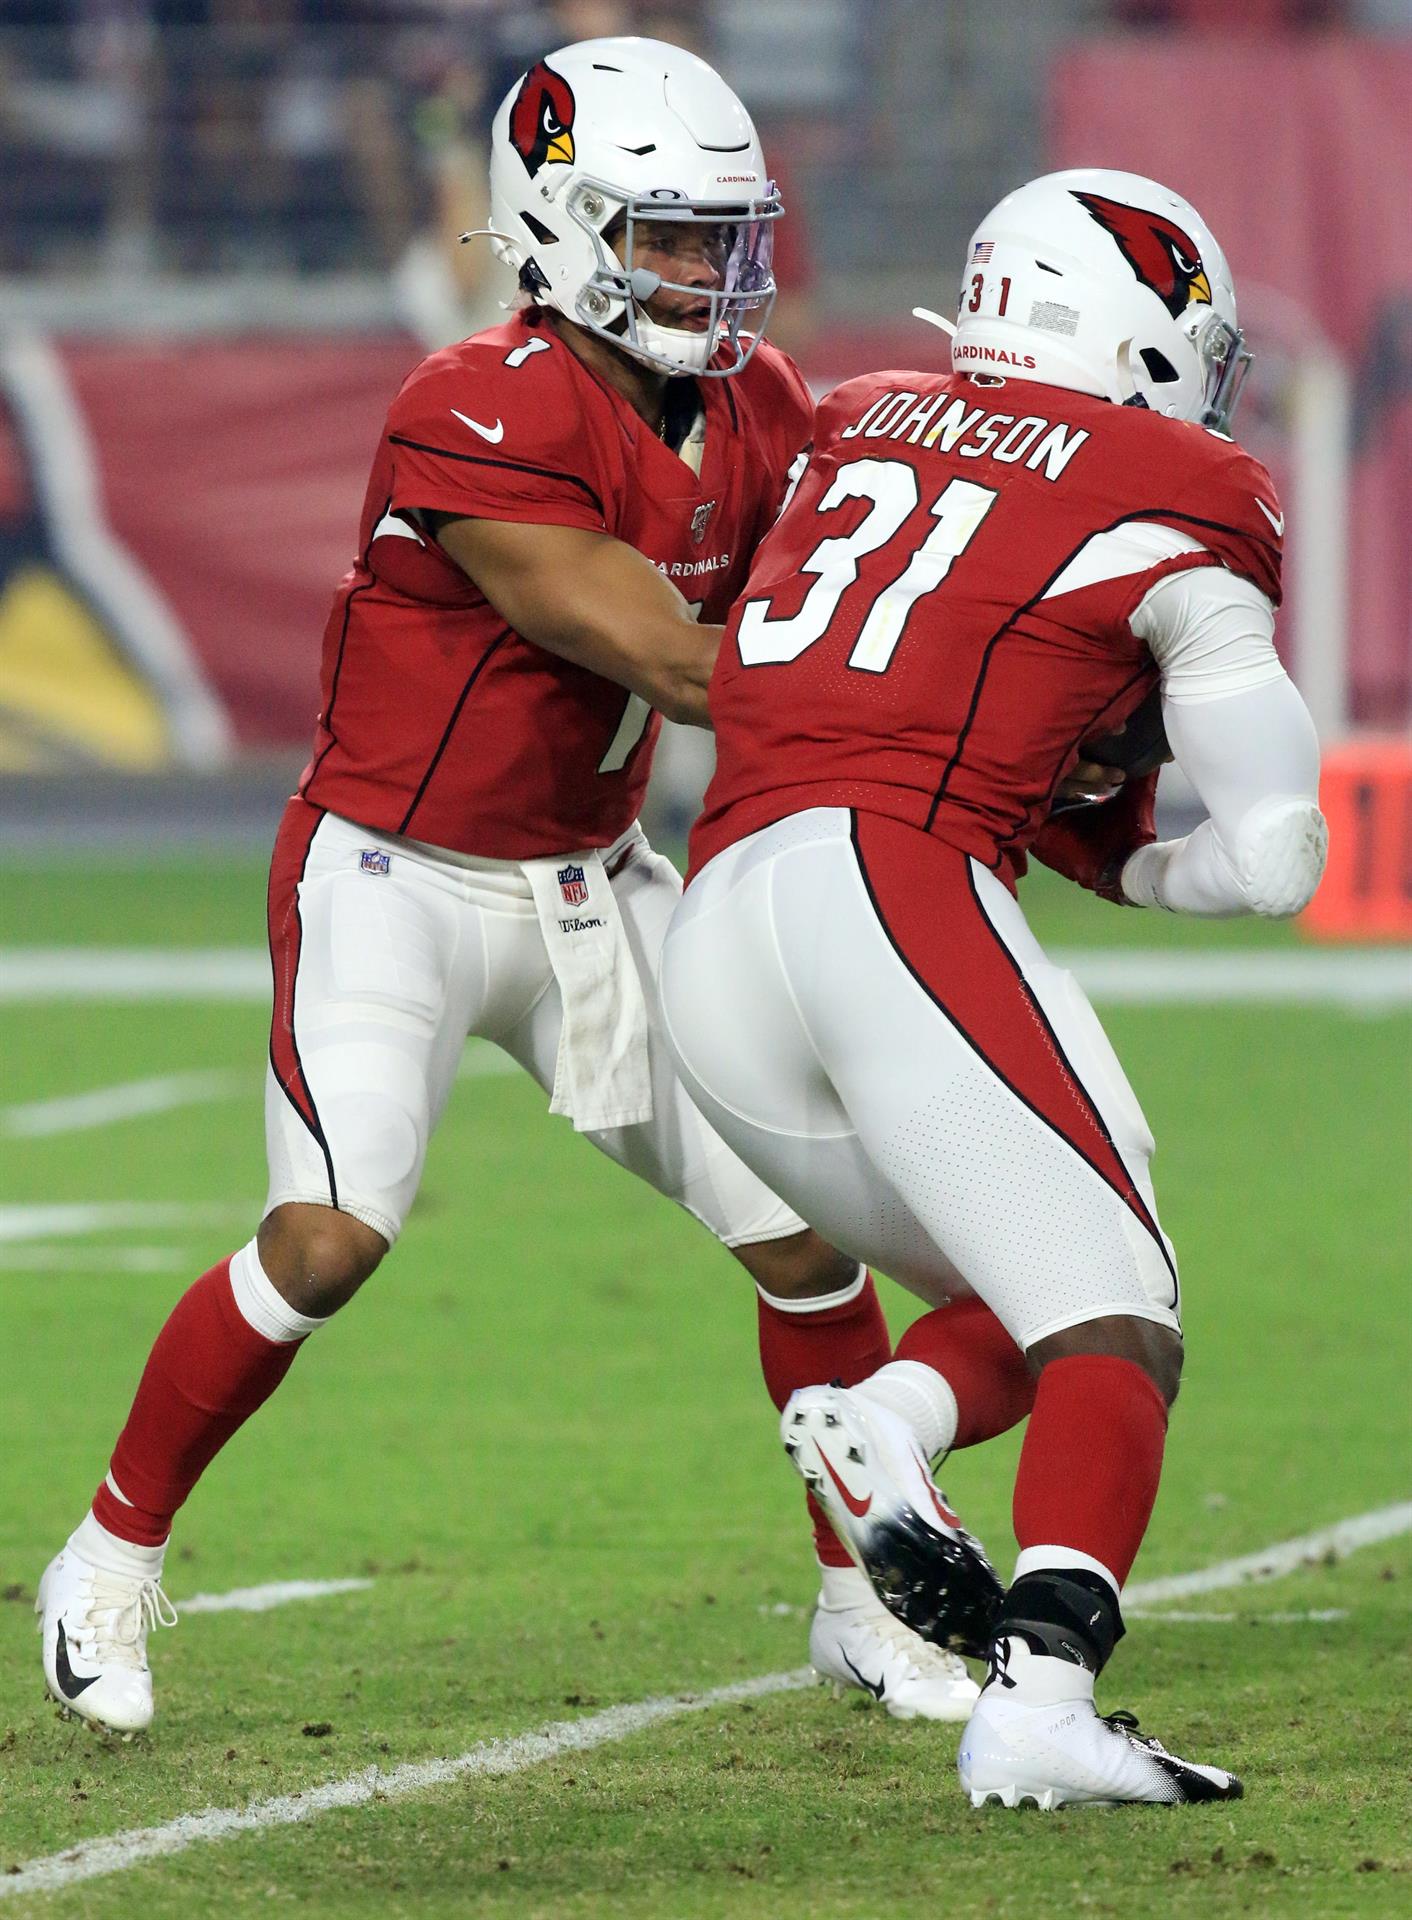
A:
[958,513]
[633,724]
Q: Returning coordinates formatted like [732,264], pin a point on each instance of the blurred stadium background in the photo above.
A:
[227,229]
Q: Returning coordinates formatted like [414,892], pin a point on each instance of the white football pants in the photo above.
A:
[381,974]
[863,1013]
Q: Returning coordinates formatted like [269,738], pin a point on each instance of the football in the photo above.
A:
[1138,746]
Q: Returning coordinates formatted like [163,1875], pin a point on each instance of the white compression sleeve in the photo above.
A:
[1210,632]
[1243,737]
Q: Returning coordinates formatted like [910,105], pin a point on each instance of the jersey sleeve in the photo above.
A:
[1229,503]
[471,437]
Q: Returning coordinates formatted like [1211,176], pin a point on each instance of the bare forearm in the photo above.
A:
[593,600]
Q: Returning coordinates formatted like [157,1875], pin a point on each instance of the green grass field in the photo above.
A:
[541,1437]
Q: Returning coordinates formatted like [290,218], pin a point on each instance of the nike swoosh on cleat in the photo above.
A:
[497,432]
[951,1519]
[70,1683]
[1277,521]
[853,1504]
[874,1687]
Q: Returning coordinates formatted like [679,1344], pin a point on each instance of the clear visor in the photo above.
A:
[1225,361]
[715,309]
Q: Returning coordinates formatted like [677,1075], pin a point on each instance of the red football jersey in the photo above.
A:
[440,722]
[940,615]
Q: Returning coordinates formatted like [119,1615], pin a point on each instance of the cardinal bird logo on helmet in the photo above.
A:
[542,119]
[1161,255]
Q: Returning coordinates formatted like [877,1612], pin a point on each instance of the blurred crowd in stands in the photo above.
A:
[148,137]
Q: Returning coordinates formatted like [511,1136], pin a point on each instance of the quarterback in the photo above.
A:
[552,504]
[975,573]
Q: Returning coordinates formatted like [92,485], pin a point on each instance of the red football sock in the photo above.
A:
[970,1349]
[1091,1460]
[206,1375]
[806,1344]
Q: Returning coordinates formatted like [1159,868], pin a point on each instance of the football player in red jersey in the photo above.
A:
[975,573]
[551,505]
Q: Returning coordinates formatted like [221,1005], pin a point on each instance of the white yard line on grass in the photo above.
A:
[119,1851]
[122,1850]
[134,973]
[278,1593]
[1360,982]
[20,1223]
[483,1060]
[77,1112]
[1364,1530]
[32,1257]
[1363,981]
[134,1099]
[1318,1614]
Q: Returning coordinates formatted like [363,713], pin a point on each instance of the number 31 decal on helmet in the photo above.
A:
[1110,284]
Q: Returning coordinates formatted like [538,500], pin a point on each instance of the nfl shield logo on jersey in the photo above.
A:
[572,886]
[374,860]
[700,520]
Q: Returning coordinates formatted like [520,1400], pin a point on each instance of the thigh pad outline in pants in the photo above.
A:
[677,1152]
[984,1110]
[368,1028]
[732,1018]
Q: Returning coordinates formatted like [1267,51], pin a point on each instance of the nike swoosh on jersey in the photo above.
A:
[854,1506]
[1277,521]
[492,434]
[71,1685]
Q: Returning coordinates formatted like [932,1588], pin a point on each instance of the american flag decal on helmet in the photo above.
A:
[982,250]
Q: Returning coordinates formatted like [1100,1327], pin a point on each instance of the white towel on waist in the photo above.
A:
[601,1078]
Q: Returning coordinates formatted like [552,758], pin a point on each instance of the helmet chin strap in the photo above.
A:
[690,349]
[1130,394]
[488,233]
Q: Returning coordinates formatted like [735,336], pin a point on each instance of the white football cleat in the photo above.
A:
[864,1646]
[865,1468]
[95,1625]
[1042,1743]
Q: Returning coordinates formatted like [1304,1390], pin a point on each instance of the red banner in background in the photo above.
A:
[174,516]
[1298,153]
[234,474]
[228,476]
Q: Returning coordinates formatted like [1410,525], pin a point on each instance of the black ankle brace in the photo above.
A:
[1070,1614]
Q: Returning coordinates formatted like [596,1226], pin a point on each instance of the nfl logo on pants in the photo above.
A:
[572,886]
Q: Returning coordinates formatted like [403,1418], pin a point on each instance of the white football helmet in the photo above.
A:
[642,129]
[1107,283]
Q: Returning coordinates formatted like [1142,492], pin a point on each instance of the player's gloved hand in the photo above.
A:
[1089,844]
[1088,783]
[1139,746]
